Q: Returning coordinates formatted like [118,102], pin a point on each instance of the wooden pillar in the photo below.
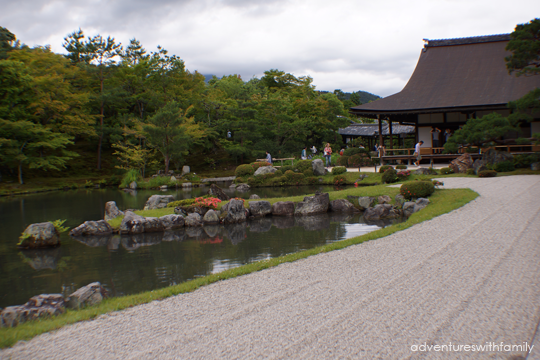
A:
[391,135]
[381,142]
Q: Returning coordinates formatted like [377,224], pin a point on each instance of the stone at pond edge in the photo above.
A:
[236,212]
[153,224]
[264,170]
[44,305]
[242,187]
[254,196]
[420,204]
[211,217]
[365,202]
[111,211]
[400,200]
[342,205]
[133,185]
[318,167]
[283,208]
[40,235]
[158,202]
[193,219]
[132,223]
[260,208]
[381,211]
[217,192]
[172,221]
[86,296]
[100,227]
[316,204]
[384,199]
[185,170]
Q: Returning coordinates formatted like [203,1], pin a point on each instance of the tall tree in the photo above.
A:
[7,42]
[525,48]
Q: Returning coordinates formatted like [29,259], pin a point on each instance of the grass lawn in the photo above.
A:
[442,201]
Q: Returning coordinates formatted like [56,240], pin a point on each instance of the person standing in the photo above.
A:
[417,153]
[314,150]
[435,132]
[447,134]
[328,155]
[268,158]
[304,155]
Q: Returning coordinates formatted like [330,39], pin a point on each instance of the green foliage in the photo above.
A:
[279,172]
[504,166]
[470,171]
[390,176]
[383,168]
[342,160]
[340,180]
[525,48]
[308,172]
[303,165]
[446,171]
[356,150]
[130,176]
[286,168]
[289,174]
[244,170]
[525,160]
[258,164]
[416,189]
[359,160]
[339,170]
[487,173]
[58,225]
[401,167]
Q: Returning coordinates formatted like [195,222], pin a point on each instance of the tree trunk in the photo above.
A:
[20,173]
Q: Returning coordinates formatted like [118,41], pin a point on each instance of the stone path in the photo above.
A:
[469,277]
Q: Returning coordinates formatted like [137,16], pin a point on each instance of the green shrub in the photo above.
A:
[390,176]
[308,172]
[289,174]
[470,171]
[286,168]
[525,161]
[278,173]
[359,160]
[244,170]
[258,164]
[343,160]
[185,202]
[401,167]
[446,171]
[523,141]
[416,189]
[130,176]
[312,180]
[255,180]
[240,180]
[383,168]
[340,180]
[355,151]
[339,170]
[504,166]
[303,165]
[487,173]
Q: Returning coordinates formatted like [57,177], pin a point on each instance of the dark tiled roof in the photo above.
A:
[373,130]
[467,40]
[470,73]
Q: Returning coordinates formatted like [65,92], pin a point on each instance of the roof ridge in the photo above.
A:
[466,40]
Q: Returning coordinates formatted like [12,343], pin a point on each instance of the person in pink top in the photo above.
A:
[328,155]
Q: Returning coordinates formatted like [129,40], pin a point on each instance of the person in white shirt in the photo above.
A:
[268,158]
[417,153]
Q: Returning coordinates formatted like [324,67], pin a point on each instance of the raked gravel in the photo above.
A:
[468,277]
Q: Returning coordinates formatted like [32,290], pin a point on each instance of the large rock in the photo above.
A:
[422,171]
[88,295]
[217,192]
[133,185]
[381,211]
[242,187]
[193,220]
[111,211]
[461,164]
[479,165]
[492,156]
[316,204]
[420,203]
[254,196]
[342,205]
[153,224]
[535,166]
[400,200]
[132,223]
[365,202]
[236,212]
[263,170]
[211,217]
[408,208]
[158,202]
[40,235]
[260,208]
[172,221]
[283,208]
[384,199]
[44,305]
[185,170]
[318,167]
[94,228]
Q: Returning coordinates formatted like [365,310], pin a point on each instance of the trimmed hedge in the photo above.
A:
[446,171]
[401,167]
[244,170]
[359,160]
[383,168]
[470,171]
[416,189]
[338,170]
[303,165]
[258,164]
[487,173]
[343,160]
[504,166]
[390,176]
[340,180]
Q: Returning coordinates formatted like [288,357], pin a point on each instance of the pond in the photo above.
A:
[131,264]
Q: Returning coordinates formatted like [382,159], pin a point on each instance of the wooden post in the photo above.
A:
[381,143]
[391,135]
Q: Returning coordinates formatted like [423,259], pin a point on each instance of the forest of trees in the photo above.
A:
[147,109]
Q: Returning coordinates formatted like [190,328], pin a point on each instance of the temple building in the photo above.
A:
[454,80]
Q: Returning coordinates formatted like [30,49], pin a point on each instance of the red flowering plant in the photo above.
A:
[210,202]
[402,175]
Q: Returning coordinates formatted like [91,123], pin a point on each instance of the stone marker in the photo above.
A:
[88,295]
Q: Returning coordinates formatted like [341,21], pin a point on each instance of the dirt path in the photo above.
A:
[469,277]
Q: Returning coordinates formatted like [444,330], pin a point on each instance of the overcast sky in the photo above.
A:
[342,44]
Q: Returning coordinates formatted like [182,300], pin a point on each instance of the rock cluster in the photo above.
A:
[461,164]
[40,235]
[46,305]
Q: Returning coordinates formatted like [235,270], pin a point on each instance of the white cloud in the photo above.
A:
[347,44]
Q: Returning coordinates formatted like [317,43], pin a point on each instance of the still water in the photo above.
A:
[131,264]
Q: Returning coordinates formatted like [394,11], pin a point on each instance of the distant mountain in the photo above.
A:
[365,97]
[208,77]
